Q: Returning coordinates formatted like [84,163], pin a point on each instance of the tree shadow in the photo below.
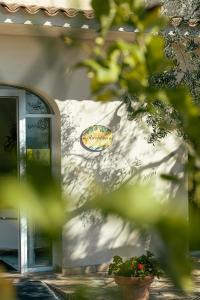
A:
[89,238]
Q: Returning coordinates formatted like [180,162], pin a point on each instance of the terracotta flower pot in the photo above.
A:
[134,288]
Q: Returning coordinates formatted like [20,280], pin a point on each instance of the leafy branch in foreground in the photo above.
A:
[127,66]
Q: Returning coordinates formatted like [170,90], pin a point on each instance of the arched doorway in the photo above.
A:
[26,123]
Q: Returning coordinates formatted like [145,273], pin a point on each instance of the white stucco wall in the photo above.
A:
[43,65]
[89,238]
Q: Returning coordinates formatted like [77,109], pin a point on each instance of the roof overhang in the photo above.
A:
[51,20]
[24,13]
[35,8]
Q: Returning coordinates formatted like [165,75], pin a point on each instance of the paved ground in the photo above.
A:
[102,289]
[99,287]
[161,289]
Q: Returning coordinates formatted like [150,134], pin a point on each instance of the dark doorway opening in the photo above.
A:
[9,219]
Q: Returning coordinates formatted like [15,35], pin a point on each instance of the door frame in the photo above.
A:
[20,96]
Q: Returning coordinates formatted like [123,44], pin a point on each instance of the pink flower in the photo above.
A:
[140,267]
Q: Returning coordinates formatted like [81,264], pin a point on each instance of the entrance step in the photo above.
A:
[34,290]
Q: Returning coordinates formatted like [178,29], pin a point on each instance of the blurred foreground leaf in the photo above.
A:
[38,197]
[7,290]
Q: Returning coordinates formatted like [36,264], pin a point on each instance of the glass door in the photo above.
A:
[9,218]
[38,153]
[25,131]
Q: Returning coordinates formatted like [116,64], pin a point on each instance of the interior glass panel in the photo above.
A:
[38,150]
[39,249]
[34,105]
[9,233]
[38,139]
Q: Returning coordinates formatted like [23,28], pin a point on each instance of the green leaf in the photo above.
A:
[155,59]
[101,9]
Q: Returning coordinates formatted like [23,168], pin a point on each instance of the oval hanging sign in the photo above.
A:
[96,138]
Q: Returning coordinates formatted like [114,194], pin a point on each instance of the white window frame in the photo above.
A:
[20,96]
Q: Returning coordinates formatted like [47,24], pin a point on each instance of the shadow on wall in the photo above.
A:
[89,238]
[96,243]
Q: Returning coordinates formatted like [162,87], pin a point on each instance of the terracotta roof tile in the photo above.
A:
[49,11]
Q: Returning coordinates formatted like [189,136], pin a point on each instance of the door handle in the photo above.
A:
[7,218]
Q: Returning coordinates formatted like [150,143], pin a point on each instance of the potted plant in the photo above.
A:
[135,275]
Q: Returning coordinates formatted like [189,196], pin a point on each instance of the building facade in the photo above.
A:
[50,105]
